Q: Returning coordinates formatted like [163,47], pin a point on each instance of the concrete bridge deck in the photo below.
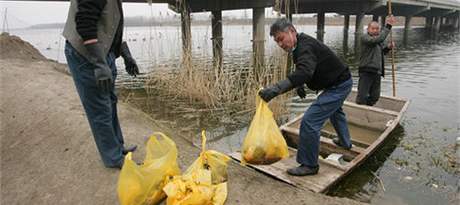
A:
[375,7]
[436,12]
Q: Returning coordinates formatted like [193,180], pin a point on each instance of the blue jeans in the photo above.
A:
[327,106]
[100,107]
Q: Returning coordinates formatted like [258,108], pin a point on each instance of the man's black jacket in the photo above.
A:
[316,65]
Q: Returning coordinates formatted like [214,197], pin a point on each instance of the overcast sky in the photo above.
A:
[23,14]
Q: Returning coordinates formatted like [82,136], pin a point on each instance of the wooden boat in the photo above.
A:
[369,127]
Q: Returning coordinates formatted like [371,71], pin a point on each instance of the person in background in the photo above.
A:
[320,69]
[371,62]
[93,33]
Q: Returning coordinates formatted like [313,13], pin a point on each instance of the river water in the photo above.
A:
[418,164]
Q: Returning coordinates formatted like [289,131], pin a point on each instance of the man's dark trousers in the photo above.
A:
[368,88]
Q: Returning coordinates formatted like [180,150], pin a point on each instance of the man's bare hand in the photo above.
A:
[391,20]
[391,45]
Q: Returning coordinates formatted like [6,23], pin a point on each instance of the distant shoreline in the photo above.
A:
[329,21]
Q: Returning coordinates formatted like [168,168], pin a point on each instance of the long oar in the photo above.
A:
[393,69]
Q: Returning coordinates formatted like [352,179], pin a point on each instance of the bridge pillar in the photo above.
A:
[186,34]
[320,26]
[289,60]
[375,18]
[457,21]
[289,17]
[448,21]
[437,23]
[217,49]
[346,25]
[358,33]
[258,39]
[436,26]
[407,25]
[383,20]
[428,22]
[407,28]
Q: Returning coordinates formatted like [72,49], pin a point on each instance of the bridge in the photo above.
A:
[436,12]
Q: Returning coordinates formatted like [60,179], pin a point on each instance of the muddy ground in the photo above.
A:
[48,155]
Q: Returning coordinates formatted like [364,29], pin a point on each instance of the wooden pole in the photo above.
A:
[393,69]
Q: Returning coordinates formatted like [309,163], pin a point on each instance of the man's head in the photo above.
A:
[373,28]
[284,34]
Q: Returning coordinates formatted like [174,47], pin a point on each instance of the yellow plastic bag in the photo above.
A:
[203,183]
[212,160]
[144,184]
[264,144]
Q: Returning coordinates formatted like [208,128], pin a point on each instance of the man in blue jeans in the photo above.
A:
[93,33]
[320,69]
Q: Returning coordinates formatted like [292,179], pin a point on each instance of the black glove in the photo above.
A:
[279,88]
[301,92]
[102,72]
[130,63]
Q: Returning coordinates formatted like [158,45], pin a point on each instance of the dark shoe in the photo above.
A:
[129,148]
[118,166]
[302,171]
[338,143]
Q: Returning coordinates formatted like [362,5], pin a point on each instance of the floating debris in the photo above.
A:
[380,181]
[408,147]
[401,162]
[336,158]
[408,178]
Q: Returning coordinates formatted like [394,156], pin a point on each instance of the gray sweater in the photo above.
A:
[106,21]
[372,52]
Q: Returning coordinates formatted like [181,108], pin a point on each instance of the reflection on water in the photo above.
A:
[416,165]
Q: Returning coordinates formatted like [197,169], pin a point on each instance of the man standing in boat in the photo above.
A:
[371,62]
[320,69]
[93,34]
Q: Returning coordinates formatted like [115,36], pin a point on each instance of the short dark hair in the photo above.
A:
[280,25]
[373,22]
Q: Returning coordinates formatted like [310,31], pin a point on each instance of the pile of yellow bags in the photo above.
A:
[204,182]
[264,144]
[143,185]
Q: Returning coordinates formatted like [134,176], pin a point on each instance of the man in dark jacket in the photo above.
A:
[93,33]
[371,65]
[320,69]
